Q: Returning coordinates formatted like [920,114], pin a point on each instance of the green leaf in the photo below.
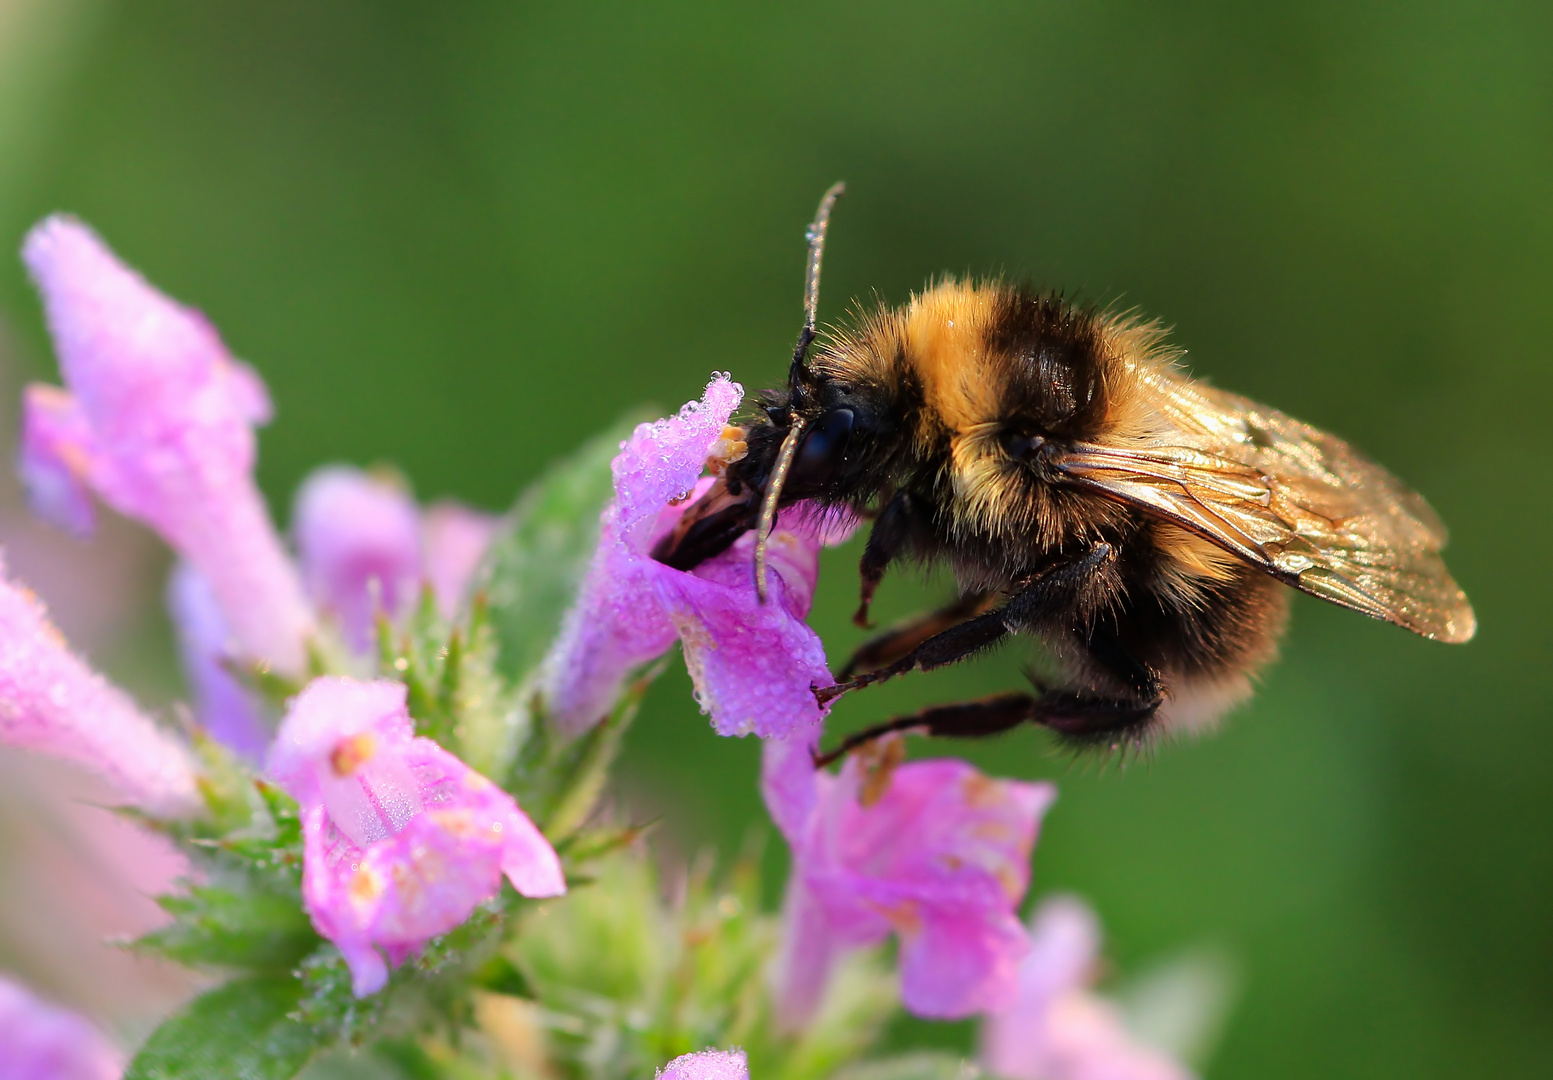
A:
[240,1031]
[241,920]
[542,551]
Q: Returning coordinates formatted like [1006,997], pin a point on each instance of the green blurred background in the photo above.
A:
[463,236]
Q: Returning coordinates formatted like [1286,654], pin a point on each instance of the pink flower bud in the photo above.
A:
[359,540]
[940,858]
[455,540]
[401,839]
[39,1041]
[158,421]
[50,701]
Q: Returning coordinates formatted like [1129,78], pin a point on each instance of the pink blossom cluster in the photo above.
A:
[402,840]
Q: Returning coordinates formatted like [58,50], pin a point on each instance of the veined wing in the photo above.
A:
[1299,503]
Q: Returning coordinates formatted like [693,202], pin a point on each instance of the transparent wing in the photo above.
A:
[1295,501]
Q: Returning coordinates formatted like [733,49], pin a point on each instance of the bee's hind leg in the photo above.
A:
[986,716]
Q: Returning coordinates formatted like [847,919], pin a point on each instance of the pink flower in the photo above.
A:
[366,547]
[39,1041]
[223,705]
[707,1065]
[50,701]
[401,839]
[158,421]
[941,859]
[455,540]
[754,665]
[1055,1029]
[359,541]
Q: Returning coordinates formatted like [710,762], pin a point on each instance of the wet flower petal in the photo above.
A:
[941,860]
[39,1041]
[222,704]
[754,665]
[402,840]
[160,427]
[455,539]
[359,540]
[707,1065]
[50,701]
[1055,1029]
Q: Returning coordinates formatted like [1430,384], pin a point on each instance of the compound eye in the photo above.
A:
[823,448]
[1022,447]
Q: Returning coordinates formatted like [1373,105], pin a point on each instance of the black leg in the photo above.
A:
[892,533]
[988,716]
[1051,590]
[906,635]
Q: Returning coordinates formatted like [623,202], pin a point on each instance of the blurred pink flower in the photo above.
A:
[158,421]
[366,547]
[1055,1029]
[941,859]
[754,665]
[456,538]
[50,701]
[707,1065]
[359,541]
[39,1041]
[222,704]
[402,839]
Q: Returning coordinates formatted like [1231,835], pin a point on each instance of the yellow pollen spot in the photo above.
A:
[352,753]
[365,886]
[455,822]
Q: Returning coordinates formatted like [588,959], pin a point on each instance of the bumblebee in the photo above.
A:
[1084,491]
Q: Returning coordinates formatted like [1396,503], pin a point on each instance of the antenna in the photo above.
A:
[784,461]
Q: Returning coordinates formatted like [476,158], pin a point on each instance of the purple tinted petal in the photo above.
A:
[618,620]
[170,416]
[808,952]
[707,1065]
[661,462]
[39,1041]
[402,840]
[789,782]
[1053,1027]
[456,538]
[957,963]
[224,707]
[754,665]
[359,540]
[941,856]
[50,701]
[56,459]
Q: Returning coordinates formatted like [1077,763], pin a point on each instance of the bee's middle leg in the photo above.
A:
[1051,589]
[899,640]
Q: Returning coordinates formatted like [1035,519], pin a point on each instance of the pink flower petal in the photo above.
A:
[707,1065]
[50,701]
[56,458]
[223,705]
[941,859]
[1054,1028]
[39,1041]
[754,665]
[402,840]
[169,414]
[359,540]
[455,539]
